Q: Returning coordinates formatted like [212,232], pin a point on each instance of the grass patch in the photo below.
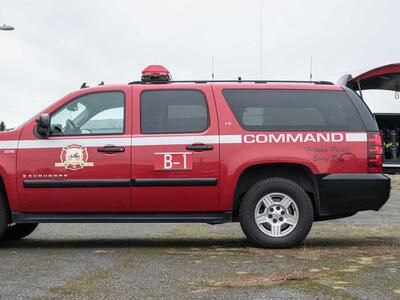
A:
[258,280]
[84,285]
[315,288]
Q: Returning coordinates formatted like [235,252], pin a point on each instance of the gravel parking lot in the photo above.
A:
[357,257]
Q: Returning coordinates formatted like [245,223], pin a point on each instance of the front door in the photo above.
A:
[84,165]
[175,150]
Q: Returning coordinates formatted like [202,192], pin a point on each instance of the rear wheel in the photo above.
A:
[19,231]
[276,213]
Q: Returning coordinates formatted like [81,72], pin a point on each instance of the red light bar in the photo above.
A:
[156,73]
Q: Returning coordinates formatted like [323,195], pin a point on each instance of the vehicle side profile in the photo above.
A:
[274,156]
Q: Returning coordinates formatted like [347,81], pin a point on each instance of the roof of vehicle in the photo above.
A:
[158,77]
[281,85]
[273,84]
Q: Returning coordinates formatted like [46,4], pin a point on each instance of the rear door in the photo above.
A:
[384,78]
[175,149]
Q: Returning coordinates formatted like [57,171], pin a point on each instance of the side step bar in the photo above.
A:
[210,218]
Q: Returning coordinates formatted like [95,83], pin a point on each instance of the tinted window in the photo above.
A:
[100,113]
[293,110]
[366,115]
[173,111]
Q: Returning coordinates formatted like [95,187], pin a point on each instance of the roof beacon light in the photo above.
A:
[156,74]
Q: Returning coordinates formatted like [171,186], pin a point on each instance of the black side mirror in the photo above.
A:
[43,125]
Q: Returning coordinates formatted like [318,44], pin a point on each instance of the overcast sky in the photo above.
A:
[57,45]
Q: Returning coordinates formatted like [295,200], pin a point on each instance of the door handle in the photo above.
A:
[111,149]
[199,147]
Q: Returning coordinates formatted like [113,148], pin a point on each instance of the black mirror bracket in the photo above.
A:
[42,129]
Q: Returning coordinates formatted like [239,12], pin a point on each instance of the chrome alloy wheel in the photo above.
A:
[276,214]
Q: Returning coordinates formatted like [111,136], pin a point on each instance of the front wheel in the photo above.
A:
[276,213]
[19,231]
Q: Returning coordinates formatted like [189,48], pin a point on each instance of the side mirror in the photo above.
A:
[43,125]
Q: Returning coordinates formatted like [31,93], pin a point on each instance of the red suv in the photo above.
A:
[275,156]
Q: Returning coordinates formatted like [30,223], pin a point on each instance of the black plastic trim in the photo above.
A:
[230,81]
[176,182]
[97,183]
[345,194]
[111,149]
[77,183]
[210,218]
[199,147]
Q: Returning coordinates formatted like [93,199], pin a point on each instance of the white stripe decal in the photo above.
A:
[230,139]
[356,137]
[144,141]
[35,144]
[8,144]
[175,140]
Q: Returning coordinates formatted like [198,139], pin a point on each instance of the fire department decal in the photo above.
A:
[74,157]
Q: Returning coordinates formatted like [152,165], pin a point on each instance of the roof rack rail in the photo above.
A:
[231,81]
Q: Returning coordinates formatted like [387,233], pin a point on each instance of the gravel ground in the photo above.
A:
[357,257]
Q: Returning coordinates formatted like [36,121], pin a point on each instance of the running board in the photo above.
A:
[210,218]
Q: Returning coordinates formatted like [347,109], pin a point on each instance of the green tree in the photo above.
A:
[2,126]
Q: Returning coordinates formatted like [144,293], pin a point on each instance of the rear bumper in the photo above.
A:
[342,194]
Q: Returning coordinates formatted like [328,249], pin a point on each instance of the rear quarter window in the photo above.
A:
[363,109]
[293,110]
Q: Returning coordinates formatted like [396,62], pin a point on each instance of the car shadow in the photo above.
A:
[125,243]
[201,243]
[346,242]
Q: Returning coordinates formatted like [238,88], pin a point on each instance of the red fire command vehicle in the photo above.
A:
[275,156]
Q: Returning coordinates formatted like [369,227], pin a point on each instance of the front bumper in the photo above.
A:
[346,194]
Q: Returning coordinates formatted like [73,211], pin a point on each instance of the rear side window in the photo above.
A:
[293,110]
[173,111]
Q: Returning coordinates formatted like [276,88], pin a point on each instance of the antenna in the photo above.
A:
[261,39]
[311,70]
[212,67]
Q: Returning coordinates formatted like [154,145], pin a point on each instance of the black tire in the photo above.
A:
[18,231]
[276,185]
[4,215]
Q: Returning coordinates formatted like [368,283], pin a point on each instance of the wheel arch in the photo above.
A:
[299,173]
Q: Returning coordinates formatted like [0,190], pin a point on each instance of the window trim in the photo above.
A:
[175,90]
[88,94]
[309,129]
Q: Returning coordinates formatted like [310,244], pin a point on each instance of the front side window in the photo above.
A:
[173,111]
[93,114]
